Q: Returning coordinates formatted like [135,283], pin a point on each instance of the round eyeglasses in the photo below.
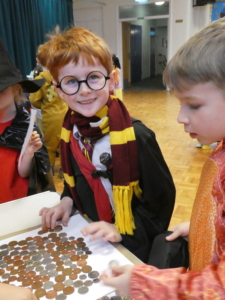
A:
[95,80]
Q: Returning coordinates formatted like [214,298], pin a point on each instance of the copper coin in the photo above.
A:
[68,290]
[73,276]
[58,243]
[51,294]
[76,271]
[37,238]
[17,257]
[67,271]
[70,247]
[14,272]
[80,239]
[74,242]
[22,267]
[45,228]
[26,257]
[45,278]
[50,250]
[84,256]
[9,261]
[12,278]
[81,263]
[60,268]
[42,232]
[9,268]
[7,257]
[60,278]
[60,263]
[86,269]
[58,228]
[27,282]
[37,278]
[2,271]
[40,293]
[81,244]
[22,273]
[74,257]
[66,243]
[52,235]
[37,285]
[59,286]
[29,238]
[56,259]
[13,243]
[65,251]
[22,243]
[50,246]
[39,243]
[60,248]
[18,263]
[31,274]
[55,239]
[71,252]
[55,253]
[24,248]
[20,278]
[45,238]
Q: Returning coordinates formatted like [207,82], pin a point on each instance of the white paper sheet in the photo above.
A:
[29,133]
[102,254]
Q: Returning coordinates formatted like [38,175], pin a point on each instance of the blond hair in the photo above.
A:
[19,96]
[71,44]
[200,60]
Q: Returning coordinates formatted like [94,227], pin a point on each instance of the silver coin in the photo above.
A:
[88,252]
[61,297]
[85,249]
[33,252]
[2,262]
[29,268]
[28,262]
[113,263]
[44,273]
[39,268]
[68,263]
[65,257]
[62,234]
[83,276]
[83,290]
[43,252]
[57,229]
[80,252]
[73,266]
[48,242]
[13,253]
[115,298]
[3,266]
[24,252]
[96,280]
[93,274]
[78,283]
[50,267]
[64,239]
[46,261]
[6,276]
[88,282]
[37,263]
[4,246]
[126,298]
[68,282]
[48,285]
[30,243]
[32,247]
[52,273]
[71,238]
[46,255]
[37,257]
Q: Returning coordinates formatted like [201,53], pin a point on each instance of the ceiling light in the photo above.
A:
[160,2]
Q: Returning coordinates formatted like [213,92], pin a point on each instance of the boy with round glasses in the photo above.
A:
[113,168]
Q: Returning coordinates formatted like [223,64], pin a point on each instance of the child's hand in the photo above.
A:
[107,231]
[181,229]
[62,210]
[120,279]
[16,293]
[34,144]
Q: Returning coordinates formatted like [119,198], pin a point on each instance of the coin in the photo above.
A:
[88,282]
[52,273]
[68,282]
[67,271]
[51,294]
[78,283]
[73,276]
[61,297]
[93,274]
[50,267]
[36,285]
[58,228]
[68,290]
[59,286]
[115,298]
[48,285]
[40,293]
[76,271]
[60,278]
[80,239]
[13,243]
[126,298]
[81,263]
[12,278]
[61,234]
[86,269]
[104,298]
[83,290]
[45,278]
[74,257]
[27,282]
[2,271]
[96,280]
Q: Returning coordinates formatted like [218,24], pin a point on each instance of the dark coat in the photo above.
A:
[40,179]
[152,213]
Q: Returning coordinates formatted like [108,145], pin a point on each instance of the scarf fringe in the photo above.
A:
[122,195]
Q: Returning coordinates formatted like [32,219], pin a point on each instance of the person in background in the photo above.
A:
[113,167]
[196,75]
[32,175]
[117,91]
[53,108]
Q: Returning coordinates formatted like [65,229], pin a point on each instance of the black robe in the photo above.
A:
[152,213]
[40,179]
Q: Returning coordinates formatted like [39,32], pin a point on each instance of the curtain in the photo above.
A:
[25,23]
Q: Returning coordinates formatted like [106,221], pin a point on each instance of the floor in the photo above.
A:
[158,109]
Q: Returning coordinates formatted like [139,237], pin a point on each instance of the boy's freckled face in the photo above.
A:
[202,112]
[86,101]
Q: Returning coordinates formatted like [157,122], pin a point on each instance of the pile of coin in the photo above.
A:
[51,264]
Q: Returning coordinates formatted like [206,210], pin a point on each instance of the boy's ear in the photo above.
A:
[112,80]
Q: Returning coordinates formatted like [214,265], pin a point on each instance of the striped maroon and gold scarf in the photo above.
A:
[117,123]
